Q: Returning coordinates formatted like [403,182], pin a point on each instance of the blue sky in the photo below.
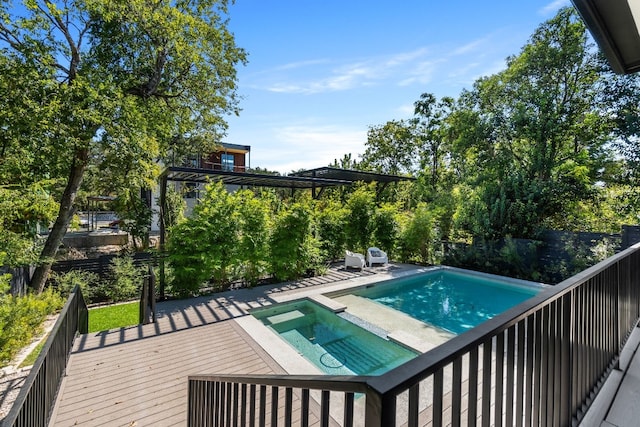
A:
[321,72]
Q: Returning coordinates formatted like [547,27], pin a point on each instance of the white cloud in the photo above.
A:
[553,7]
[307,147]
[301,64]
[470,47]
[406,110]
[421,73]
[420,66]
[364,72]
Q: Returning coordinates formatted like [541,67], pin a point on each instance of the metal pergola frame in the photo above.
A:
[314,179]
[352,175]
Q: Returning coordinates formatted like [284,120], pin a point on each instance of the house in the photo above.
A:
[231,158]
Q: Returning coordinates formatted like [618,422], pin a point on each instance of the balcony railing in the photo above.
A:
[223,167]
[540,363]
[200,163]
[32,407]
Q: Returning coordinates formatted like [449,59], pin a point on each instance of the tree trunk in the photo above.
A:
[65,214]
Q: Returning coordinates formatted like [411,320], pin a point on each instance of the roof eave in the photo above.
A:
[612,25]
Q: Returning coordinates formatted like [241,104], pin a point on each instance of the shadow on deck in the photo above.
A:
[138,375]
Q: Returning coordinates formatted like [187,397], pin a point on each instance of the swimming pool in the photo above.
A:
[333,344]
[451,299]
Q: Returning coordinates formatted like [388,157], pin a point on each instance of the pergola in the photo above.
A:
[244,179]
[93,208]
[317,180]
[352,176]
[314,179]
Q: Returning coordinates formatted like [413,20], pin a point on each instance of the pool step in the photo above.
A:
[284,317]
[354,353]
[328,303]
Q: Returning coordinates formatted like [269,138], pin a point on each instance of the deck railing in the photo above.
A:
[540,363]
[32,407]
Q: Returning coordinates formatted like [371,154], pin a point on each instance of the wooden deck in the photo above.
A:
[137,376]
[143,382]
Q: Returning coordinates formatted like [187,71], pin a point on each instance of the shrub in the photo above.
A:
[331,221]
[254,229]
[361,206]
[125,280]
[174,207]
[507,257]
[294,250]
[204,246]
[89,284]
[21,319]
[186,256]
[385,227]
[416,236]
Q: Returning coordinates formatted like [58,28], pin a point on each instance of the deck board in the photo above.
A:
[137,376]
[144,382]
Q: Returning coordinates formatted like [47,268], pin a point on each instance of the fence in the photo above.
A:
[20,278]
[540,363]
[34,403]
[98,265]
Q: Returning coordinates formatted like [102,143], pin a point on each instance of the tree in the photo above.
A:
[620,95]
[415,240]
[136,78]
[294,248]
[204,246]
[386,227]
[331,216]
[390,148]
[430,127]
[346,162]
[537,130]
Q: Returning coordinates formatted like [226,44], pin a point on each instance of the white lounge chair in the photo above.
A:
[354,260]
[376,256]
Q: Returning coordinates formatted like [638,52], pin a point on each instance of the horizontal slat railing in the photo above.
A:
[539,363]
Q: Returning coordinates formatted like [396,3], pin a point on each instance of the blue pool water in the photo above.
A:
[333,344]
[451,300]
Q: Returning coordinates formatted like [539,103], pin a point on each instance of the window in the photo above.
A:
[227,162]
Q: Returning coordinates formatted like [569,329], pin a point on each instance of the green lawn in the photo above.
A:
[31,358]
[113,316]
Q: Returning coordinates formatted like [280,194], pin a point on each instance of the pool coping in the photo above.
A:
[281,351]
[496,277]
[294,363]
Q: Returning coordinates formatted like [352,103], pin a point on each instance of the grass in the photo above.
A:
[31,358]
[113,316]
[100,319]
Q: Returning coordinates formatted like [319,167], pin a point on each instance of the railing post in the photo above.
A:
[566,368]
[143,312]
[373,409]
[152,293]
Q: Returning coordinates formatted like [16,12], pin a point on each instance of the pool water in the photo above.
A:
[451,300]
[333,344]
